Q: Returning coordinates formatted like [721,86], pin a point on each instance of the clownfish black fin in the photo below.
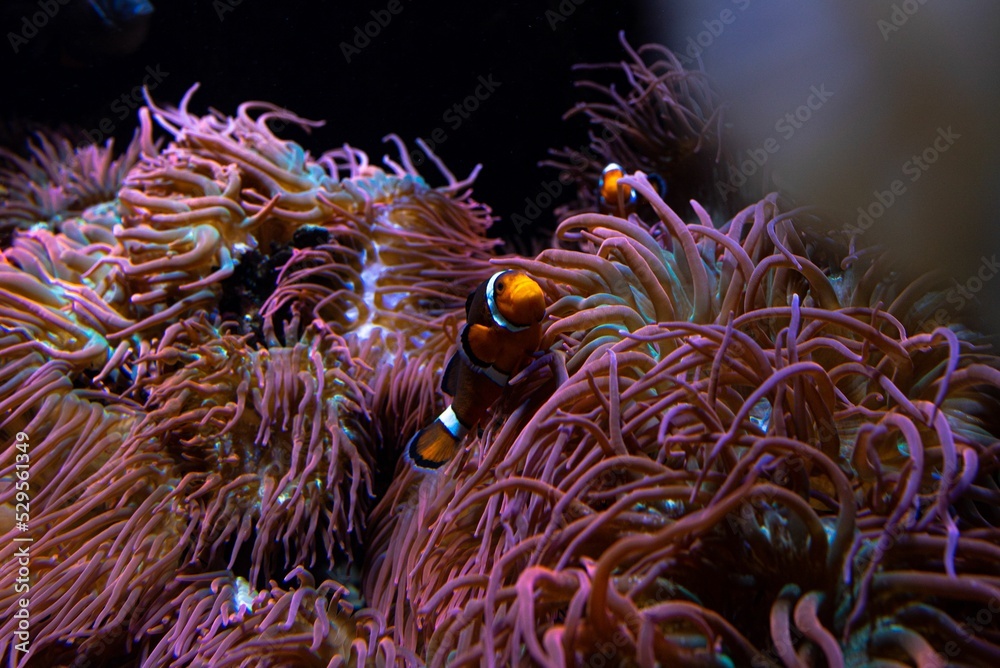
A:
[432,446]
[449,381]
[467,349]
[658,183]
[468,303]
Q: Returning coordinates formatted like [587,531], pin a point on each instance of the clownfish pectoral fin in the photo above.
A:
[480,340]
[435,444]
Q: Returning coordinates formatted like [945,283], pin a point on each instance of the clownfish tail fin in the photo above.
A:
[434,445]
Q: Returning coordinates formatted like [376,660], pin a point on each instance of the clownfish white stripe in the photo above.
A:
[451,423]
[496,376]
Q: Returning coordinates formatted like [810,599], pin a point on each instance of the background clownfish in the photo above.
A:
[617,198]
[503,326]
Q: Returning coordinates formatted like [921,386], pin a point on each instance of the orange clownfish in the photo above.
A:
[614,197]
[503,326]
[617,198]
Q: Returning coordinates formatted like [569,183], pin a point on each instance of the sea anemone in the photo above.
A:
[189,441]
[723,426]
[654,116]
[59,180]
[303,626]
[213,360]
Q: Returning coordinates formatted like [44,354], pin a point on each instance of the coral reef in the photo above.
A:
[736,445]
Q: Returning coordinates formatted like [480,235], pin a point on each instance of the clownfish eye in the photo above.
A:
[498,287]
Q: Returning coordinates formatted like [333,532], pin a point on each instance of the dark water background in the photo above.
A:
[426,59]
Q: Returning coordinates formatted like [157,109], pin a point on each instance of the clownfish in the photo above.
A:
[612,195]
[503,327]
[617,198]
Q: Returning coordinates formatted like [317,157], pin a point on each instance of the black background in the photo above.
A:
[428,58]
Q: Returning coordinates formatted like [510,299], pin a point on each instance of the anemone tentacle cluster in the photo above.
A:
[194,350]
[649,113]
[725,427]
